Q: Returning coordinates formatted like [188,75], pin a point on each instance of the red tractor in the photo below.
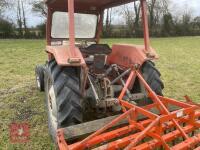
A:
[88,84]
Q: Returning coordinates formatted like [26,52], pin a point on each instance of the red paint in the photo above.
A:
[87,5]
[139,53]
[63,53]
[145,25]
[19,132]
[48,26]
[127,55]
[71,27]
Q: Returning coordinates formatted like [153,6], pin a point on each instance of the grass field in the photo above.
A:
[179,64]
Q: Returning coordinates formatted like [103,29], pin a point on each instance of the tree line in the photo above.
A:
[162,22]
[18,28]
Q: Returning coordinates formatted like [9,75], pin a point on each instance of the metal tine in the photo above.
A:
[177,125]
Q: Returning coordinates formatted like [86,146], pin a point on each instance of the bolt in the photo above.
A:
[136,66]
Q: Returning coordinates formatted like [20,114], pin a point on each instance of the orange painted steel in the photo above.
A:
[71,26]
[145,25]
[126,55]
[154,131]
[63,53]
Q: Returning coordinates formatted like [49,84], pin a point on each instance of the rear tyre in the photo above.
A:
[152,76]
[39,76]
[63,98]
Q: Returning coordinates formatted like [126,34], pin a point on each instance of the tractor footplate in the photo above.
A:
[161,127]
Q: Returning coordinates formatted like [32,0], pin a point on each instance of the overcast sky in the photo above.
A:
[192,6]
[176,7]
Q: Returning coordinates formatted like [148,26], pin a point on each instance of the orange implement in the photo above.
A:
[173,130]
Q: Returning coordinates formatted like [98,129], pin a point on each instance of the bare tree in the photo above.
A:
[108,21]
[24,17]
[186,23]
[156,10]
[137,8]
[151,6]
[132,16]
[3,4]
[197,21]
[39,8]
[129,16]
[19,18]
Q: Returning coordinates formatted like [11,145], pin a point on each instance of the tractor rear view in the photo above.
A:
[102,97]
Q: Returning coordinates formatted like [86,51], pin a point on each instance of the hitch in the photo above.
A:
[149,127]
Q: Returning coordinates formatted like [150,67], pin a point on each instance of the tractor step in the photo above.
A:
[166,124]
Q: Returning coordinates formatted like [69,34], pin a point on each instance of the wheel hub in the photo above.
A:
[38,81]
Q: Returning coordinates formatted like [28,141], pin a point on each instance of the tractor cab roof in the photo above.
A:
[87,6]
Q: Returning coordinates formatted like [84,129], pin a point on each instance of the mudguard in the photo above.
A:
[127,55]
[65,57]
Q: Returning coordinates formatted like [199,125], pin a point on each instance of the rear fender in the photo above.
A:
[65,57]
[127,55]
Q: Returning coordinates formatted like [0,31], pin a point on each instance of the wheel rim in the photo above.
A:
[52,107]
[38,81]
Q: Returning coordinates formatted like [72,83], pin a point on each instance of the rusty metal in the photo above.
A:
[181,122]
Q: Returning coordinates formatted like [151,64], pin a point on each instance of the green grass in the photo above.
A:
[179,64]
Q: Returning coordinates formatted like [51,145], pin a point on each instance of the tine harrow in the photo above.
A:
[170,130]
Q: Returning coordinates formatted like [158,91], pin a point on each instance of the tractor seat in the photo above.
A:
[96,49]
